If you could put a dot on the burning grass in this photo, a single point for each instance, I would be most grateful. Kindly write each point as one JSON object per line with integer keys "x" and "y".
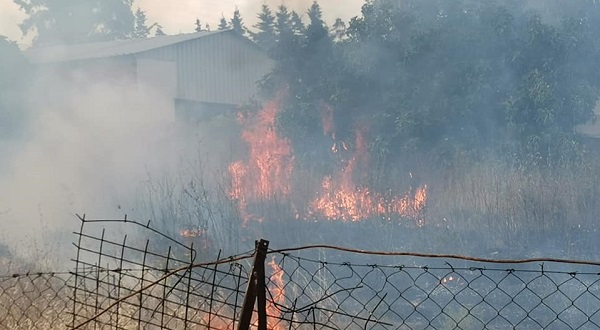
{"x": 479, "y": 208}
{"x": 470, "y": 207}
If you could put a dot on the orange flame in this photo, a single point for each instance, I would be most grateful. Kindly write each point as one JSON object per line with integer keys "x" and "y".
{"x": 278, "y": 292}
{"x": 273, "y": 313}
{"x": 341, "y": 199}
{"x": 267, "y": 175}
{"x": 268, "y": 171}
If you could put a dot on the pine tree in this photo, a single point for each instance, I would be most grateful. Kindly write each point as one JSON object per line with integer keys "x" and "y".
{"x": 223, "y": 25}
{"x": 265, "y": 35}
{"x": 339, "y": 30}
{"x": 198, "y": 25}
{"x": 282, "y": 24}
{"x": 141, "y": 29}
{"x": 237, "y": 23}
{"x": 316, "y": 31}
{"x": 159, "y": 32}
{"x": 318, "y": 52}
{"x": 296, "y": 24}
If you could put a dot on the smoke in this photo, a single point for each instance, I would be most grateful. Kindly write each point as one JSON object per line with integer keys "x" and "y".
{"x": 89, "y": 145}
{"x": 92, "y": 145}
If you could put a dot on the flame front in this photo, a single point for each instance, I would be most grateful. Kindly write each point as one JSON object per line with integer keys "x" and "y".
{"x": 278, "y": 292}
{"x": 267, "y": 175}
{"x": 341, "y": 199}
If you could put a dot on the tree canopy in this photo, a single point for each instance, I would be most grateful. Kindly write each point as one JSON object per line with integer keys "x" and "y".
{"x": 442, "y": 78}
{"x": 76, "y": 21}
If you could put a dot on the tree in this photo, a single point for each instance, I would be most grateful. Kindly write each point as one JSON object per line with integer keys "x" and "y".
{"x": 317, "y": 34}
{"x": 237, "y": 23}
{"x": 223, "y": 25}
{"x": 296, "y": 25}
{"x": 159, "y": 32}
{"x": 288, "y": 39}
{"x": 198, "y": 25}
{"x": 282, "y": 23}
{"x": 305, "y": 54}
{"x": 75, "y": 21}
{"x": 339, "y": 30}
{"x": 141, "y": 30}
{"x": 443, "y": 79}
{"x": 265, "y": 34}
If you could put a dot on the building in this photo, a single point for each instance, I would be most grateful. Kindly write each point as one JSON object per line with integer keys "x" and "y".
{"x": 203, "y": 73}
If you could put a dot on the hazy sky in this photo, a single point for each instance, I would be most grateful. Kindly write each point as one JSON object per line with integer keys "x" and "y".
{"x": 178, "y": 16}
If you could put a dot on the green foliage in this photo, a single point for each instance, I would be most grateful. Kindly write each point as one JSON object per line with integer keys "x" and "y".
{"x": 237, "y": 24}
{"x": 265, "y": 29}
{"x": 159, "y": 32}
{"x": 442, "y": 78}
{"x": 223, "y": 25}
{"x": 141, "y": 29}
{"x": 76, "y": 21}
{"x": 339, "y": 30}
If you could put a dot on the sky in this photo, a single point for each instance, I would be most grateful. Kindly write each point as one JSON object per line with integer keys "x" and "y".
{"x": 178, "y": 16}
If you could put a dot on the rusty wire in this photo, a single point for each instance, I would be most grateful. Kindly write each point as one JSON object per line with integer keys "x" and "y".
{"x": 122, "y": 282}
{"x": 420, "y": 293}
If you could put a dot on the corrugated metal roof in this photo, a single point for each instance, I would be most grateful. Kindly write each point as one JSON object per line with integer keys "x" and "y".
{"x": 108, "y": 48}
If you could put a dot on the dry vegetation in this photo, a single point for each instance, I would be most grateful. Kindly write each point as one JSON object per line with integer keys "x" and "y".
{"x": 486, "y": 209}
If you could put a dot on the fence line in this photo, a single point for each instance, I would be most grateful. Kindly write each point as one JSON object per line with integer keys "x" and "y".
{"x": 35, "y": 301}
{"x": 128, "y": 275}
{"x": 347, "y": 295}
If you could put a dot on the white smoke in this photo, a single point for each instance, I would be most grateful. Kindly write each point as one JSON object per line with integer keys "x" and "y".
{"x": 89, "y": 145}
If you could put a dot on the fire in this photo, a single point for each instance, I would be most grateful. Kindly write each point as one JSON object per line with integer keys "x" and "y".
{"x": 342, "y": 199}
{"x": 278, "y": 291}
{"x": 199, "y": 236}
{"x": 267, "y": 173}
{"x": 273, "y": 313}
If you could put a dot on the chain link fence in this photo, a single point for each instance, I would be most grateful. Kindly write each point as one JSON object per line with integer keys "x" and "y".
{"x": 425, "y": 293}
{"x": 126, "y": 280}
{"x": 35, "y": 301}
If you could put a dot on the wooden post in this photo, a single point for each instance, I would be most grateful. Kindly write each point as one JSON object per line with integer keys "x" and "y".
{"x": 256, "y": 290}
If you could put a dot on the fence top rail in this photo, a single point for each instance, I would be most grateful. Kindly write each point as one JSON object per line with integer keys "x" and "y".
{"x": 287, "y": 251}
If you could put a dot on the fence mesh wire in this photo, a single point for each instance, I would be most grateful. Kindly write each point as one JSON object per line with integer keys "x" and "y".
{"x": 35, "y": 301}
{"x": 313, "y": 293}
{"x": 129, "y": 276}
{"x": 144, "y": 279}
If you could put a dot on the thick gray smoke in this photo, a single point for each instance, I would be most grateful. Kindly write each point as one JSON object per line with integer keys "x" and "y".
{"x": 89, "y": 146}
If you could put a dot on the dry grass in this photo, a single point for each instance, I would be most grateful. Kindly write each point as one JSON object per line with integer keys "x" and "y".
{"x": 35, "y": 302}
{"x": 472, "y": 208}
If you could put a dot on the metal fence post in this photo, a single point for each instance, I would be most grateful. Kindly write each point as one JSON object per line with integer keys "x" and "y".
{"x": 256, "y": 290}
